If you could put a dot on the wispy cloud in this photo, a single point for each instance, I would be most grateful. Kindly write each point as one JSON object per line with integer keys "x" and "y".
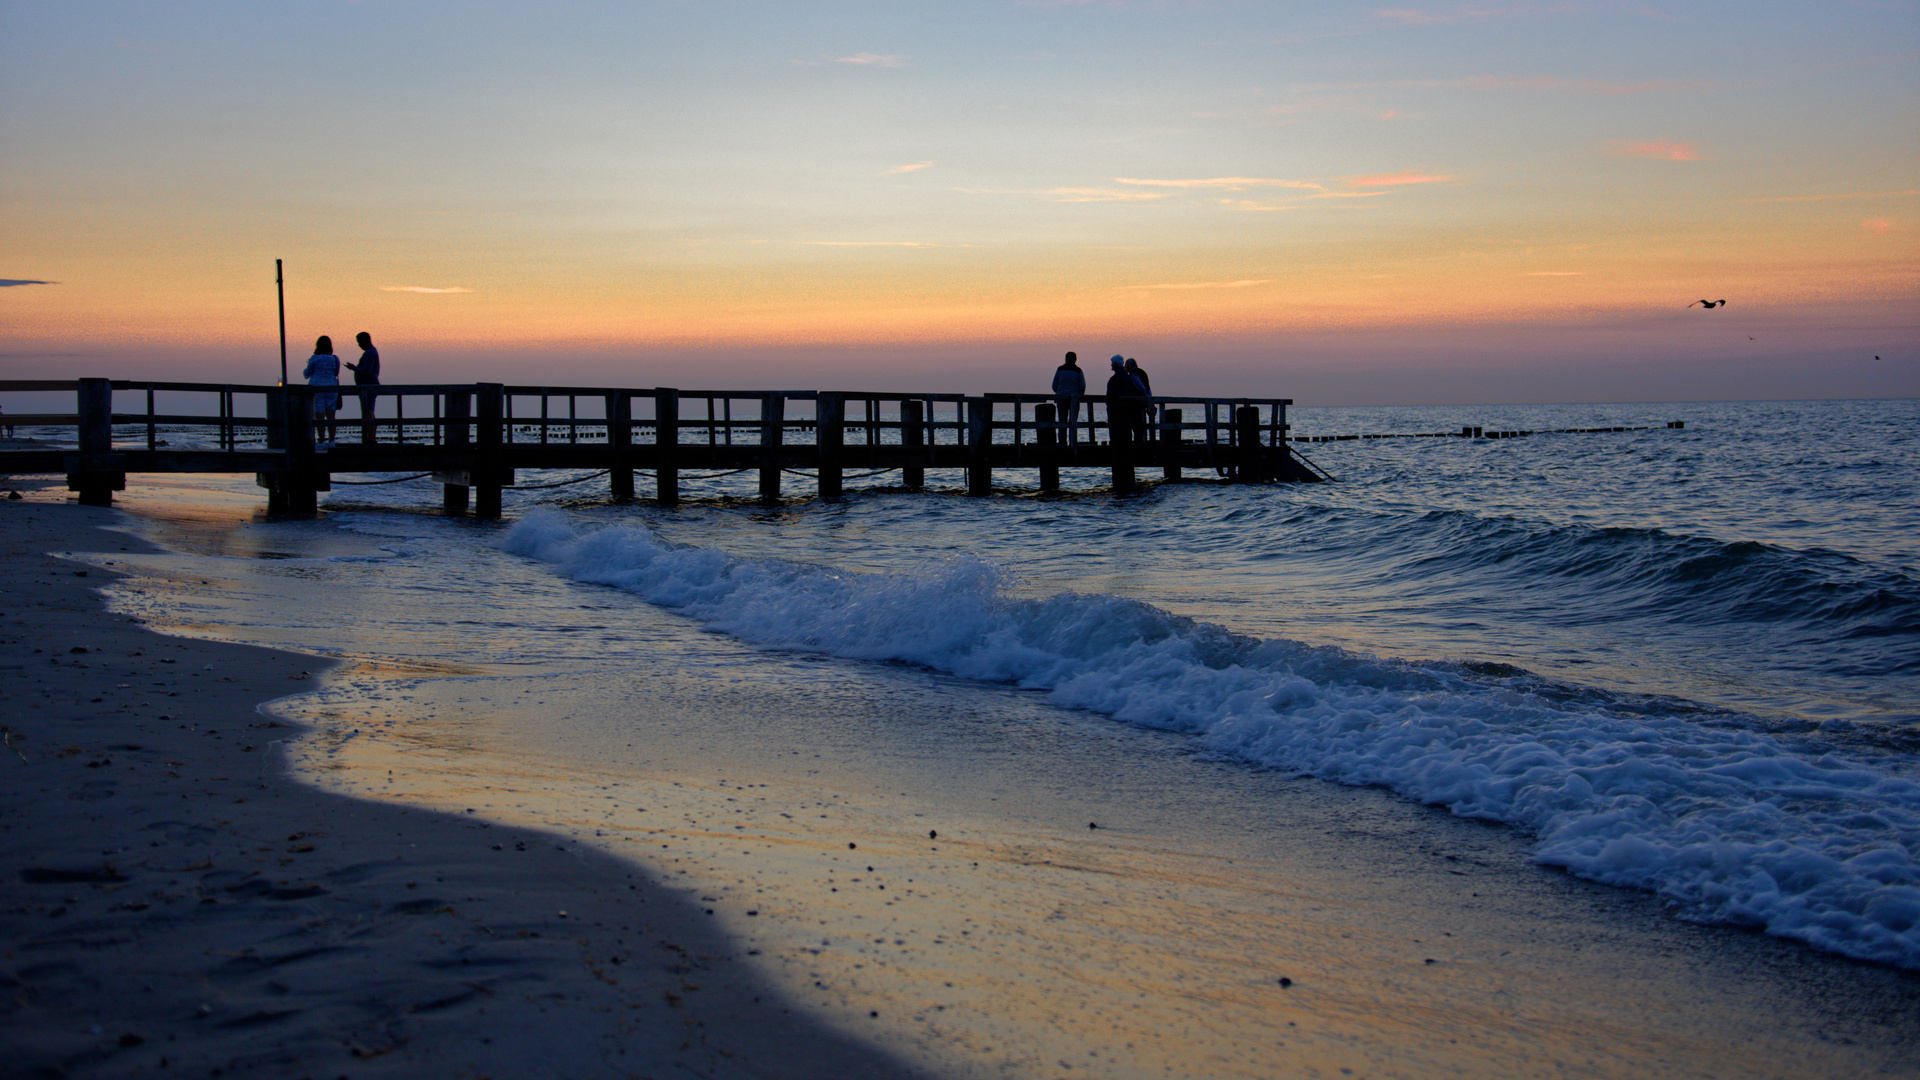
{"x": 1556, "y": 273}
{"x": 1878, "y": 226}
{"x": 874, "y": 243}
{"x": 10, "y": 282}
{"x": 1416, "y": 17}
{"x": 1536, "y": 83}
{"x": 1599, "y": 87}
{"x": 1405, "y": 176}
{"x": 1228, "y": 183}
{"x": 1842, "y": 195}
{"x": 915, "y": 167}
{"x": 1204, "y": 284}
{"x": 1659, "y": 149}
{"x": 1073, "y": 194}
{"x": 872, "y": 60}
{"x": 422, "y": 289}
{"x": 1068, "y": 194}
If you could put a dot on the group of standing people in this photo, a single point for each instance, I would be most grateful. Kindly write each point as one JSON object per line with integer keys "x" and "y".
{"x": 323, "y": 369}
{"x": 1128, "y": 409}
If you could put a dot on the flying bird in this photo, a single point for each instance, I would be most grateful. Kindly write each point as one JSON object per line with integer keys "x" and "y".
{"x": 1709, "y": 303}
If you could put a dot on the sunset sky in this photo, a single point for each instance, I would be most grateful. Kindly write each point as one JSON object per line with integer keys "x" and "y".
{"x": 1340, "y": 203}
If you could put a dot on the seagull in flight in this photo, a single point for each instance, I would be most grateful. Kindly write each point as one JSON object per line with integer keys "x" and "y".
{"x": 1709, "y": 303}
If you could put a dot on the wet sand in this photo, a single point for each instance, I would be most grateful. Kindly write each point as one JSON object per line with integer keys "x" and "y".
{"x": 172, "y": 905}
{"x": 744, "y": 874}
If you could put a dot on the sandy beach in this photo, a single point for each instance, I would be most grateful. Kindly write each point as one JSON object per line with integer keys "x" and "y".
{"x": 174, "y": 906}
{"x": 175, "y": 903}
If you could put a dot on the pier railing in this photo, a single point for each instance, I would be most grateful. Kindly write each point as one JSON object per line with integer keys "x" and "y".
{"x": 472, "y": 438}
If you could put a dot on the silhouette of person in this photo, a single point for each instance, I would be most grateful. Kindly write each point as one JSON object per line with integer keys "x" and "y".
{"x": 1069, "y": 384}
{"x": 366, "y": 375}
{"x": 1146, "y": 390}
{"x": 1124, "y": 394}
{"x": 323, "y": 369}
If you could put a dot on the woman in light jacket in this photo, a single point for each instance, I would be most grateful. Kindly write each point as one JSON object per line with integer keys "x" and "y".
{"x": 323, "y": 369}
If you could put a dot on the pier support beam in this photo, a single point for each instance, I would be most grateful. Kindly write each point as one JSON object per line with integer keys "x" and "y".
{"x": 1171, "y": 437}
{"x": 913, "y": 435}
{"x": 454, "y": 433}
{"x": 1122, "y": 415}
{"x": 96, "y": 472}
{"x": 1249, "y": 464}
{"x": 979, "y": 438}
{"x": 294, "y": 489}
{"x": 830, "y": 436}
{"x": 773, "y": 433}
{"x": 666, "y": 445}
{"x": 489, "y": 434}
{"x": 1045, "y": 416}
{"x": 620, "y": 444}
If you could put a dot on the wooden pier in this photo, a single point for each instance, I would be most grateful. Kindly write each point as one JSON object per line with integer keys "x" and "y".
{"x": 476, "y": 439}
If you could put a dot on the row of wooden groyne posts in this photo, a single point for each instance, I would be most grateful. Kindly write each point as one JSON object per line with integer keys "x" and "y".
{"x": 474, "y": 439}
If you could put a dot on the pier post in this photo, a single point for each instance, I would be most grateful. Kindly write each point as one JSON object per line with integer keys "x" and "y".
{"x": 830, "y": 437}
{"x": 1122, "y": 413}
{"x": 454, "y": 485}
{"x": 1170, "y": 439}
{"x": 666, "y": 445}
{"x": 276, "y": 402}
{"x": 773, "y": 430}
{"x": 294, "y": 489}
{"x": 489, "y": 427}
{"x": 620, "y": 445}
{"x": 913, "y": 433}
{"x": 1044, "y": 417}
{"x": 96, "y": 472}
{"x": 1248, "y": 466}
{"x": 979, "y": 439}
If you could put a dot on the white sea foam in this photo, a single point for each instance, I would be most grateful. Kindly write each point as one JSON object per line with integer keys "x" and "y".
{"x": 1728, "y": 824}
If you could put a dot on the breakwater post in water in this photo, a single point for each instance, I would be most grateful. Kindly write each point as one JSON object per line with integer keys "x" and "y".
{"x": 1475, "y": 431}
{"x": 475, "y": 439}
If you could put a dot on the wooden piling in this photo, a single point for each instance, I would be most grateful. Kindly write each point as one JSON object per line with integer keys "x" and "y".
{"x": 1045, "y": 417}
{"x": 666, "y": 445}
{"x": 913, "y": 435}
{"x": 489, "y": 475}
{"x": 979, "y": 438}
{"x": 773, "y": 429}
{"x": 455, "y": 435}
{"x": 96, "y": 472}
{"x": 830, "y": 435}
{"x": 1171, "y": 434}
{"x": 620, "y": 442}
{"x": 1249, "y": 468}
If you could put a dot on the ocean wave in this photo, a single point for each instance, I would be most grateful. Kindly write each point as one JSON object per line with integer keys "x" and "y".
{"x": 1723, "y": 821}
{"x": 1607, "y": 574}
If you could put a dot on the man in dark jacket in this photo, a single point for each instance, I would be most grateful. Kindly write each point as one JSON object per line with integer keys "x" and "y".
{"x": 1146, "y": 389}
{"x": 366, "y": 375}
{"x": 1069, "y": 385}
{"x": 1124, "y": 394}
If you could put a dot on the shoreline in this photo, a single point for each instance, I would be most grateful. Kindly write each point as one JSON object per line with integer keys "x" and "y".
{"x": 175, "y": 903}
{"x": 1123, "y": 940}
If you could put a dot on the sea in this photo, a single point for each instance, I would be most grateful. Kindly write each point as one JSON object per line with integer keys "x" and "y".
{"x": 1679, "y": 661}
